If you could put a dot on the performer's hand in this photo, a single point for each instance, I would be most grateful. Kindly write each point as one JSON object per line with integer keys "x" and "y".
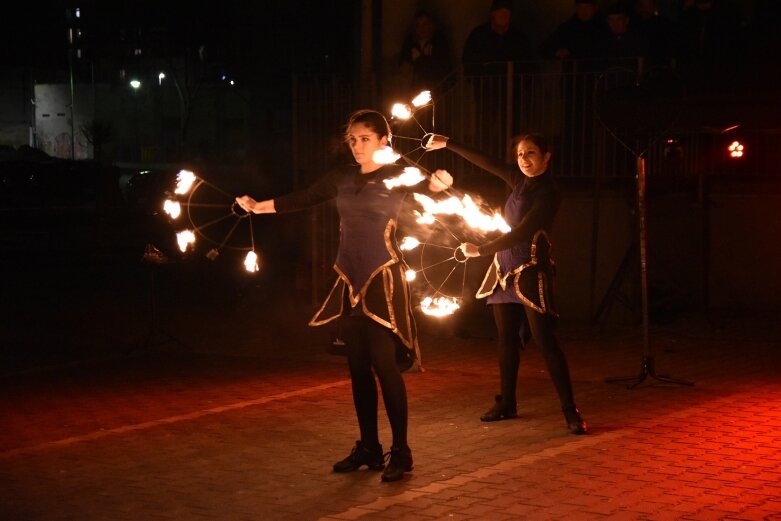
{"x": 247, "y": 203}
{"x": 469, "y": 250}
{"x": 440, "y": 180}
{"x": 435, "y": 142}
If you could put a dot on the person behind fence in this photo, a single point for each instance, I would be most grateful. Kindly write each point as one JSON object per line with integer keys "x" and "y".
{"x": 519, "y": 282}
{"x": 371, "y": 298}
{"x": 578, "y": 37}
{"x": 426, "y": 56}
{"x": 622, "y": 45}
{"x": 659, "y": 31}
{"x": 488, "y": 50}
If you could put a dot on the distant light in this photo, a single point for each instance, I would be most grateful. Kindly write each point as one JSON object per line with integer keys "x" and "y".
{"x": 160, "y": 78}
{"x": 78, "y": 12}
{"x": 233, "y": 82}
{"x": 135, "y": 84}
{"x": 223, "y": 78}
{"x": 736, "y": 150}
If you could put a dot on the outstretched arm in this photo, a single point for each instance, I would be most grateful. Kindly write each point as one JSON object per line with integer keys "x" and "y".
{"x": 322, "y": 190}
{"x": 248, "y": 204}
{"x": 507, "y": 173}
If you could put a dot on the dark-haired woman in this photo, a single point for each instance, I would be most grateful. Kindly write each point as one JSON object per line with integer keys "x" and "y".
{"x": 371, "y": 297}
{"x": 519, "y": 282}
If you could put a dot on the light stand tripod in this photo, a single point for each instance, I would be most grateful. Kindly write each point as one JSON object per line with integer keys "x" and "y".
{"x": 154, "y": 259}
{"x": 647, "y": 366}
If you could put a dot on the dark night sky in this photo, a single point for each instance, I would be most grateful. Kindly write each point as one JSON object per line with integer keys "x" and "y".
{"x": 284, "y": 36}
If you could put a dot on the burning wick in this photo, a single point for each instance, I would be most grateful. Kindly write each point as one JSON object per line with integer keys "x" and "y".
{"x": 422, "y": 99}
{"x": 401, "y": 111}
{"x": 172, "y": 208}
{"x": 409, "y": 243}
{"x": 184, "y": 181}
{"x": 251, "y": 262}
{"x": 466, "y": 208}
{"x": 385, "y": 156}
{"x": 185, "y": 238}
{"x": 439, "y": 307}
{"x": 410, "y": 177}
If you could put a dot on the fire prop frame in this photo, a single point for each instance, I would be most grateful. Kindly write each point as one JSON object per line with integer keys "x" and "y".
{"x": 187, "y": 185}
{"x": 444, "y": 224}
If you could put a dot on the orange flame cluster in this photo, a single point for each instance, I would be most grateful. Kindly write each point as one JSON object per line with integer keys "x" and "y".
{"x": 464, "y": 207}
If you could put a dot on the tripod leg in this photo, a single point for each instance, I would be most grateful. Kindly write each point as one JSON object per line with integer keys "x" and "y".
{"x": 647, "y": 369}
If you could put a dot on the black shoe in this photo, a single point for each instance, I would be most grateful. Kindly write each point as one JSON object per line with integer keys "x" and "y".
{"x": 500, "y": 411}
{"x": 359, "y": 456}
{"x": 575, "y": 424}
{"x": 400, "y": 461}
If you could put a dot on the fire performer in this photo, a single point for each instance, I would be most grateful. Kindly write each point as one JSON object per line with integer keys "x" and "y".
{"x": 519, "y": 282}
{"x": 370, "y": 298}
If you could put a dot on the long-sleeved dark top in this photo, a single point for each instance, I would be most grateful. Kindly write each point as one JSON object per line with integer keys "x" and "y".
{"x": 531, "y": 207}
{"x": 368, "y": 262}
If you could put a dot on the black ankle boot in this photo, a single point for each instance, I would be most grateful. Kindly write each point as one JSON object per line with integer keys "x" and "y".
{"x": 575, "y": 423}
{"x": 359, "y": 456}
{"x": 500, "y": 411}
{"x": 400, "y": 461}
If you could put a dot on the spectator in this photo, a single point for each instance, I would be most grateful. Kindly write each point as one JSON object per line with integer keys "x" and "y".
{"x": 621, "y": 46}
{"x": 577, "y": 38}
{"x": 575, "y": 43}
{"x": 490, "y": 45}
{"x": 659, "y": 32}
{"x": 426, "y": 55}
{"x": 487, "y": 51}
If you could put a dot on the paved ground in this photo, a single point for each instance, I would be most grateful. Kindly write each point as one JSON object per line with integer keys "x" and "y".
{"x": 249, "y": 431}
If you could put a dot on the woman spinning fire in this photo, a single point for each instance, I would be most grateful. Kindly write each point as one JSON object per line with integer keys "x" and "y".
{"x": 371, "y": 297}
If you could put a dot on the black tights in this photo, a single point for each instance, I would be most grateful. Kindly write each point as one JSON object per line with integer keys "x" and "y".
{"x": 371, "y": 349}
{"x": 509, "y": 318}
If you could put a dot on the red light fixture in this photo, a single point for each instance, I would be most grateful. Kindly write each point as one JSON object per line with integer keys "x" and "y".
{"x": 736, "y": 150}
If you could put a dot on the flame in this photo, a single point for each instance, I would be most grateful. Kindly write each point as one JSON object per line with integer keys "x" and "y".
{"x": 409, "y": 243}
{"x": 184, "y": 181}
{"x": 172, "y": 208}
{"x": 439, "y": 306}
{"x": 401, "y": 111}
{"x": 466, "y": 208}
{"x": 410, "y": 177}
{"x": 426, "y": 218}
{"x": 251, "y": 262}
{"x": 185, "y": 238}
{"x": 385, "y": 156}
{"x": 410, "y": 275}
{"x": 421, "y": 99}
